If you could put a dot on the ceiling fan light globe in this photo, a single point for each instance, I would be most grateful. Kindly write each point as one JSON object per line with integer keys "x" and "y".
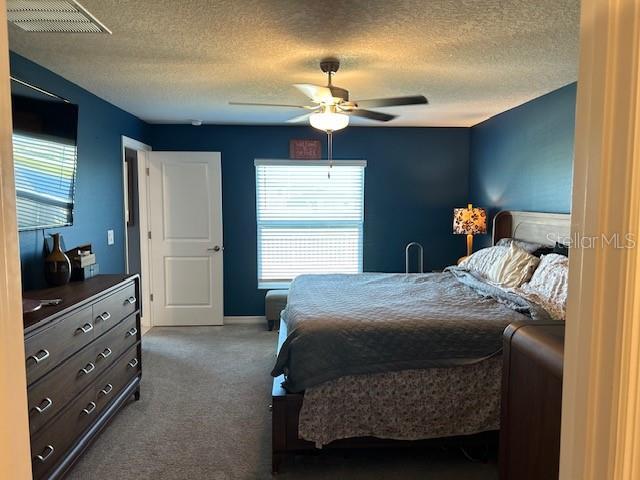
{"x": 329, "y": 121}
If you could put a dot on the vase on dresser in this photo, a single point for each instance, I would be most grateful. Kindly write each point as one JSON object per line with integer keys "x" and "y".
{"x": 57, "y": 266}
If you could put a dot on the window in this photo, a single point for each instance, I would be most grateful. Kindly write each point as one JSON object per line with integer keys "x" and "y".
{"x": 44, "y": 175}
{"x": 308, "y": 222}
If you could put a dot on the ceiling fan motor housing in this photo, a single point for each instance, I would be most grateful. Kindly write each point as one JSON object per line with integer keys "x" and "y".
{"x": 330, "y": 65}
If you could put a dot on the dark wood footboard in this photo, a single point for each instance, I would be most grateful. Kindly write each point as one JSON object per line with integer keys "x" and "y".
{"x": 285, "y": 412}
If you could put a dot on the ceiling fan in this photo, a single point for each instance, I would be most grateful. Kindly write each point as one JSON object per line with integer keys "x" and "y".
{"x": 331, "y": 107}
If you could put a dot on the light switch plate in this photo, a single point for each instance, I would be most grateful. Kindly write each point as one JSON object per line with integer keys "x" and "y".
{"x": 110, "y": 239}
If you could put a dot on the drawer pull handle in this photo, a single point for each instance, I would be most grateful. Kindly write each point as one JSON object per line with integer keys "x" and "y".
{"x": 46, "y": 453}
{"x": 86, "y": 328}
{"x": 107, "y": 389}
{"x": 104, "y": 316}
{"x": 88, "y": 369}
{"x": 44, "y": 405}
{"x": 131, "y": 300}
{"x": 89, "y": 409}
{"x": 132, "y": 332}
{"x": 40, "y": 356}
{"x": 105, "y": 353}
{"x": 133, "y": 363}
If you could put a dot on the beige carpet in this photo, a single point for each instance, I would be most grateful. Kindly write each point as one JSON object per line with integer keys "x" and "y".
{"x": 204, "y": 415}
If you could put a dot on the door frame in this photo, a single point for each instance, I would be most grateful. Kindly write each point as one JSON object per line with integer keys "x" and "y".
{"x": 15, "y": 451}
{"x": 146, "y": 318}
{"x": 601, "y": 392}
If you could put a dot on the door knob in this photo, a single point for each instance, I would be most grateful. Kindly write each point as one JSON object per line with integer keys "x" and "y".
{"x": 217, "y": 248}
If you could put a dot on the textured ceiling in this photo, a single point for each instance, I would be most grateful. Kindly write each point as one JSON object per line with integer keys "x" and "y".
{"x": 177, "y": 60}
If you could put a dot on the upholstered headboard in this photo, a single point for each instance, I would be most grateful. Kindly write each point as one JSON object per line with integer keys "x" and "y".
{"x": 538, "y": 227}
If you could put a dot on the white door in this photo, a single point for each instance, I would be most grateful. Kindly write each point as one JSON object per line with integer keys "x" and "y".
{"x": 185, "y": 209}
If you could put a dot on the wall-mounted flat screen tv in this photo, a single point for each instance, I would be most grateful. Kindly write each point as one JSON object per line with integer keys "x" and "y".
{"x": 45, "y": 130}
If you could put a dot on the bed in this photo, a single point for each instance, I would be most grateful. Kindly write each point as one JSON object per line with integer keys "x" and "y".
{"x": 376, "y": 367}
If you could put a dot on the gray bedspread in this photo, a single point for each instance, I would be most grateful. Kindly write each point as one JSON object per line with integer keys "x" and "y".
{"x": 380, "y": 322}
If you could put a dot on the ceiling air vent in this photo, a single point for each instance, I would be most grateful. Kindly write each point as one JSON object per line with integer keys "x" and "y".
{"x": 54, "y": 16}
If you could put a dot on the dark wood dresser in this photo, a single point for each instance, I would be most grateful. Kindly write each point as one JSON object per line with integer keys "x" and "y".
{"x": 83, "y": 363}
{"x": 531, "y": 401}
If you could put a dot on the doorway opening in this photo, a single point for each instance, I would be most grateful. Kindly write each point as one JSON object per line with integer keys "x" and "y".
{"x": 136, "y": 224}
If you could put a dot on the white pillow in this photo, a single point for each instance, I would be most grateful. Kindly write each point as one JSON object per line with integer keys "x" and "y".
{"x": 514, "y": 268}
{"x": 483, "y": 260}
{"x": 548, "y": 285}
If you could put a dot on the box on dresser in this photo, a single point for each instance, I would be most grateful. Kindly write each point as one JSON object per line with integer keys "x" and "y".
{"x": 83, "y": 360}
{"x": 84, "y": 273}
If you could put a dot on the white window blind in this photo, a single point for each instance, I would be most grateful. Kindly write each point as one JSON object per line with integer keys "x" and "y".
{"x": 308, "y": 222}
{"x": 44, "y": 175}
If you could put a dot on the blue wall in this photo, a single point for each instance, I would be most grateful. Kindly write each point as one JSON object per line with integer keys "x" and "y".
{"x": 99, "y": 196}
{"x": 413, "y": 180}
{"x": 522, "y": 159}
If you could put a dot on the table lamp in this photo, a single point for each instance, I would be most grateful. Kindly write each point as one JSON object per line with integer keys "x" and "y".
{"x": 469, "y": 221}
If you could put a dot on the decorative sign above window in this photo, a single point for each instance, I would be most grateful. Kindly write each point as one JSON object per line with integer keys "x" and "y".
{"x": 305, "y": 149}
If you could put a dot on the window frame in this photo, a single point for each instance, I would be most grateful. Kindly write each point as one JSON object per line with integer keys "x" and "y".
{"x": 283, "y": 284}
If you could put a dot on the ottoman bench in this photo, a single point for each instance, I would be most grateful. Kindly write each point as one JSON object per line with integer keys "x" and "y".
{"x": 274, "y": 303}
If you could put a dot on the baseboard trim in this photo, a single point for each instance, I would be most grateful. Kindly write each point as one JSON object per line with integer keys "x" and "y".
{"x": 245, "y": 320}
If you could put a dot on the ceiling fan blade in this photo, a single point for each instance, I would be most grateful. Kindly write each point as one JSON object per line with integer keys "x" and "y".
{"x": 285, "y": 105}
{"x": 299, "y": 118}
{"x": 393, "y": 101}
{"x": 316, "y": 93}
{"x": 382, "y": 117}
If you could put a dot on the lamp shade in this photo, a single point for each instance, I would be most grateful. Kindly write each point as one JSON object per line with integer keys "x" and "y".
{"x": 329, "y": 121}
{"x": 469, "y": 221}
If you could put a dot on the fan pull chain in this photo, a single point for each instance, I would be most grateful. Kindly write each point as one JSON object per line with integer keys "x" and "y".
{"x": 330, "y": 151}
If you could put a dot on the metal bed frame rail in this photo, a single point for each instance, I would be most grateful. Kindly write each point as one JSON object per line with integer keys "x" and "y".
{"x": 420, "y": 256}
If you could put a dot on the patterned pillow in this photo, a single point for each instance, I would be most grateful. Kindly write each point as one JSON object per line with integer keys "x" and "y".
{"x": 514, "y": 268}
{"x": 483, "y": 260}
{"x": 548, "y": 285}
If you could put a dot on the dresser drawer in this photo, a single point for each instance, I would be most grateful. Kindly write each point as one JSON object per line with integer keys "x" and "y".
{"x": 50, "y": 394}
{"x": 110, "y": 310}
{"x": 48, "y": 348}
{"x": 116, "y": 378}
{"x": 115, "y": 341}
{"x": 52, "y": 442}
